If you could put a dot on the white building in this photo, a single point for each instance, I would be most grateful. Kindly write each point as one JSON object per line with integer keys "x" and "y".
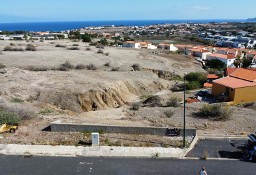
{"x": 227, "y": 59}
{"x": 132, "y": 44}
{"x": 170, "y": 47}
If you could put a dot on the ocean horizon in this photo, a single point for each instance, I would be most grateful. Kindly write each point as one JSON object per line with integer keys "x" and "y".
{"x": 69, "y": 25}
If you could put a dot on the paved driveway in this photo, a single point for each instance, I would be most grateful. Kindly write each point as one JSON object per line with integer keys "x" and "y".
{"x": 217, "y": 148}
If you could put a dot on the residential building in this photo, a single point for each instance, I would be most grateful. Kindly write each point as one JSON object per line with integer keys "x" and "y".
{"x": 131, "y": 44}
{"x": 199, "y": 52}
{"x": 169, "y": 47}
{"x": 238, "y": 87}
{"x": 227, "y": 59}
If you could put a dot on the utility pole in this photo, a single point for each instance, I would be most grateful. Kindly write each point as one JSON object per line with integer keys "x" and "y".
{"x": 184, "y": 117}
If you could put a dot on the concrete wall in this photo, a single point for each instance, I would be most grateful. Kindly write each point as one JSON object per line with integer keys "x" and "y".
{"x": 59, "y": 127}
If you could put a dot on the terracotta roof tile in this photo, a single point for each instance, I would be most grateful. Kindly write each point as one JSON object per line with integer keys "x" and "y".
{"x": 212, "y": 76}
{"x": 217, "y": 55}
{"x": 245, "y": 74}
{"x": 234, "y": 82}
{"x": 207, "y": 85}
{"x": 230, "y": 70}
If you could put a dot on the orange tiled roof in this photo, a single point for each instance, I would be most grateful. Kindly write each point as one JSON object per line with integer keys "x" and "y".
{"x": 212, "y": 76}
{"x": 230, "y": 70}
{"x": 207, "y": 85}
{"x": 217, "y": 55}
{"x": 232, "y": 82}
{"x": 245, "y": 74}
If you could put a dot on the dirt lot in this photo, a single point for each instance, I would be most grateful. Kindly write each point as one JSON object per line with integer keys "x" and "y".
{"x": 101, "y": 96}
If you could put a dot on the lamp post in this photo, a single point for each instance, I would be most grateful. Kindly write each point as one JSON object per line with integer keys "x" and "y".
{"x": 184, "y": 117}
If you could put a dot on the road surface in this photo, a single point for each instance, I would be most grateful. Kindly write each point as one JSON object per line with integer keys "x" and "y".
{"x": 20, "y": 165}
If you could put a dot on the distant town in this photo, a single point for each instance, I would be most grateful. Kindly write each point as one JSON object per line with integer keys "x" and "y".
{"x": 224, "y": 41}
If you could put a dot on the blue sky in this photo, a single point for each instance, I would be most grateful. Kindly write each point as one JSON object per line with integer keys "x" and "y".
{"x": 93, "y": 10}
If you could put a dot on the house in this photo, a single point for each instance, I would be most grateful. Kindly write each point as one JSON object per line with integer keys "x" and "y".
{"x": 227, "y": 51}
{"x": 210, "y": 79}
{"x": 227, "y": 59}
{"x": 238, "y": 87}
{"x": 169, "y": 47}
{"x": 199, "y": 52}
{"x": 131, "y": 44}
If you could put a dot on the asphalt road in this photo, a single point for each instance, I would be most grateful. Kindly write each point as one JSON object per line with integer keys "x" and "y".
{"x": 19, "y": 165}
{"x": 217, "y": 148}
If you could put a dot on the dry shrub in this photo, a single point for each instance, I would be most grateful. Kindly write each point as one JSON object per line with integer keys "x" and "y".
{"x": 115, "y": 68}
{"x": 18, "y": 49}
{"x": 23, "y": 112}
{"x": 169, "y": 113}
{"x": 73, "y": 48}
{"x": 173, "y": 102}
{"x": 215, "y": 112}
{"x": 136, "y": 67}
{"x": 66, "y": 66}
{"x": 153, "y": 101}
{"x": 80, "y": 66}
{"x": 107, "y": 64}
{"x": 100, "y": 51}
{"x": 31, "y": 47}
{"x": 88, "y": 49}
{"x": 59, "y": 45}
{"x": 2, "y": 66}
{"x": 91, "y": 67}
{"x": 37, "y": 68}
{"x": 8, "y": 48}
{"x": 136, "y": 106}
{"x": 107, "y": 54}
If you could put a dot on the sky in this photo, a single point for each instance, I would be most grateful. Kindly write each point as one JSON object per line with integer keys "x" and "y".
{"x": 101, "y": 10}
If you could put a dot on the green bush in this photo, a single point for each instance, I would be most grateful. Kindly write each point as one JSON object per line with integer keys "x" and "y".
{"x": 9, "y": 117}
{"x": 197, "y": 76}
{"x": 215, "y": 112}
{"x": 216, "y": 64}
{"x": 193, "y": 85}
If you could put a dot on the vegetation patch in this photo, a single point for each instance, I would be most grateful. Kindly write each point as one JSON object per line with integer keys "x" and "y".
{"x": 2, "y": 66}
{"x": 214, "y": 112}
{"x": 31, "y": 47}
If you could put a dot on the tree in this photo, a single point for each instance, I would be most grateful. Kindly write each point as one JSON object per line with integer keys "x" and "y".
{"x": 103, "y": 41}
{"x": 246, "y": 63}
{"x": 86, "y": 38}
{"x": 74, "y": 35}
{"x": 237, "y": 63}
{"x": 199, "y": 77}
{"x": 216, "y": 64}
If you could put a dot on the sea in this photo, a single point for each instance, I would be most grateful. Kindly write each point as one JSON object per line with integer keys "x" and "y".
{"x": 69, "y": 25}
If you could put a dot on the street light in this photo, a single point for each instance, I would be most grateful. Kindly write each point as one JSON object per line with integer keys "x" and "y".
{"x": 184, "y": 117}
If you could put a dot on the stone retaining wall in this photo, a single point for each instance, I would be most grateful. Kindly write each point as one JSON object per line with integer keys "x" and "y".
{"x": 65, "y": 127}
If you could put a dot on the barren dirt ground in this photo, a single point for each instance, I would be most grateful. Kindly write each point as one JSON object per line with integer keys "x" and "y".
{"x": 67, "y": 95}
